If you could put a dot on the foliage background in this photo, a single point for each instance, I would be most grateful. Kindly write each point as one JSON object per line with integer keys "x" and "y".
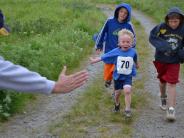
{"x": 45, "y": 36}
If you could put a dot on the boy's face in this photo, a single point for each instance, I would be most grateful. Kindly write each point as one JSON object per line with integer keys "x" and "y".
{"x": 174, "y": 23}
{"x": 125, "y": 42}
{"x": 122, "y": 15}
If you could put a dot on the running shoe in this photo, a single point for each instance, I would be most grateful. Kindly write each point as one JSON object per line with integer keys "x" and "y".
{"x": 170, "y": 116}
{"x": 107, "y": 83}
{"x": 128, "y": 113}
{"x": 116, "y": 108}
{"x": 163, "y": 105}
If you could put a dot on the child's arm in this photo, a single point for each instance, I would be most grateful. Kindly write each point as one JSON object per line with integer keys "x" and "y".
{"x": 159, "y": 43}
{"x": 107, "y": 58}
{"x": 136, "y": 61}
{"x": 137, "y": 65}
{"x": 95, "y": 60}
{"x": 101, "y": 38}
{"x": 131, "y": 28}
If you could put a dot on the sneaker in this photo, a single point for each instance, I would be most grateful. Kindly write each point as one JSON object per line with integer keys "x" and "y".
{"x": 107, "y": 83}
{"x": 128, "y": 113}
{"x": 170, "y": 116}
{"x": 116, "y": 108}
{"x": 163, "y": 105}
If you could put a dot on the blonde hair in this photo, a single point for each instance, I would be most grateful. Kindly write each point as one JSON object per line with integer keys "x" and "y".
{"x": 126, "y": 32}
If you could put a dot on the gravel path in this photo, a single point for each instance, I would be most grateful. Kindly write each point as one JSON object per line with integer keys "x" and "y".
{"x": 151, "y": 124}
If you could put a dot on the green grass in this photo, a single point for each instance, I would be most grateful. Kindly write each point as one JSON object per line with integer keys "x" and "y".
{"x": 149, "y": 7}
{"x": 45, "y": 36}
{"x": 93, "y": 114}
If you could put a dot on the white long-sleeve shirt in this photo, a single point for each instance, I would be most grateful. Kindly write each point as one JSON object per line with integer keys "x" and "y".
{"x": 16, "y": 77}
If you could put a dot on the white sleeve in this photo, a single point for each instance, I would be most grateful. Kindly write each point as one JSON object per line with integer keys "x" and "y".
{"x": 18, "y": 78}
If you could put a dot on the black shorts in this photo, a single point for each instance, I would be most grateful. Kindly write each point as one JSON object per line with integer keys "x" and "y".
{"x": 119, "y": 84}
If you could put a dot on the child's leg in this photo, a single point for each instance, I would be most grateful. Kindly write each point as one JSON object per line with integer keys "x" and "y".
{"x": 108, "y": 71}
{"x": 117, "y": 87}
{"x": 117, "y": 101}
{"x": 163, "y": 95}
{"x": 162, "y": 90}
{"x": 171, "y": 95}
{"x": 117, "y": 97}
{"x": 127, "y": 92}
{"x": 170, "y": 114}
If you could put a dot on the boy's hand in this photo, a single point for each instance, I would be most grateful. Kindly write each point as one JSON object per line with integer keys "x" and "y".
{"x": 98, "y": 51}
{"x": 94, "y": 60}
{"x": 137, "y": 66}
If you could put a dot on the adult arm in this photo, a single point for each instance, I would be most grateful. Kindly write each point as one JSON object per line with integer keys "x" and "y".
{"x": 18, "y": 78}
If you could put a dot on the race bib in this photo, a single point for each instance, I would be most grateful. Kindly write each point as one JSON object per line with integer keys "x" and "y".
{"x": 124, "y": 65}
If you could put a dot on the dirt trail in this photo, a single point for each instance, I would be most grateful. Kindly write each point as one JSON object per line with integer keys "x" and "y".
{"x": 51, "y": 109}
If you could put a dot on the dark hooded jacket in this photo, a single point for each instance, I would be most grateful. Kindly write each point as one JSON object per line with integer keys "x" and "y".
{"x": 109, "y": 32}
{"x": 168, "y": 41}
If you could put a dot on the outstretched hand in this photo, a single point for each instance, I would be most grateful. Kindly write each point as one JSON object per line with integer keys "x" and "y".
{"x": 94, "y": 60}
{"x": 98, "y": 51}
{"x": 67, "y": 83}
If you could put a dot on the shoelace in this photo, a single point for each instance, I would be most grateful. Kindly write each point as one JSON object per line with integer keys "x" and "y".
{"x": 171, "y": 111}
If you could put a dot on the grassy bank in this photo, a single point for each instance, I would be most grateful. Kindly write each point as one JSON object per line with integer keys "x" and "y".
{"x": 45, "y": 35}
{"x": 155, "y": 9}
{"x": 93, "y": 115}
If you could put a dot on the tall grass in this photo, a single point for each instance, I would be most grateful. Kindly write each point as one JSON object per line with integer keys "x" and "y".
{"x": 154, "y": 8}
{"x": 45, "y": 36}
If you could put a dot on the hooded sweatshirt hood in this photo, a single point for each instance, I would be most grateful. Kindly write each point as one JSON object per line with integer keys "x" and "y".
{"x": 174, "y": 10}
{"x": 126, "y": 6}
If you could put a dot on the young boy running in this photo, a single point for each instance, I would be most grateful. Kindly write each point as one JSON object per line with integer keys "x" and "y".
{"x": 124, "y": 58}
{"x": 168, "y": 40}
{"x": 109, "y": 34}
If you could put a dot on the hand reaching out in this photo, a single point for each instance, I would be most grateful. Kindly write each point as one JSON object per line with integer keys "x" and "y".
{"x": 98, "y": 51}
{"x": 67, "y": 83}
{"x": 94, "y": 60}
